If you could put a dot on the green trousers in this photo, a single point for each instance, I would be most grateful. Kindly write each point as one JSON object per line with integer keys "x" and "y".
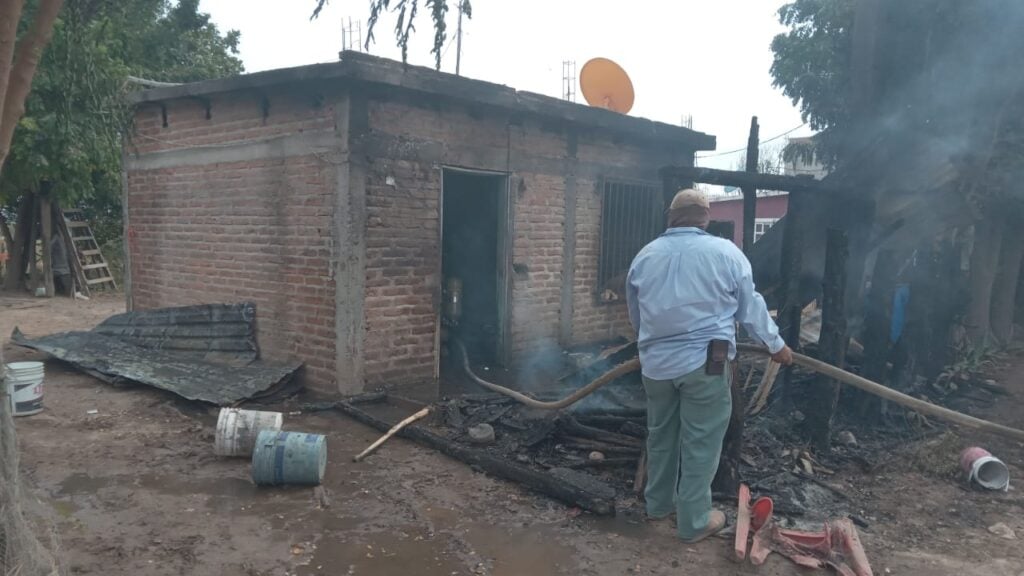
{"x": 686, "y": 422}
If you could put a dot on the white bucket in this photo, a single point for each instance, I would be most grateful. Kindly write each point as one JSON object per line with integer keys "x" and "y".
{"x": 25, "y": 387}
{"x": 238, "y": 429}
{"x": 990, "y": 472}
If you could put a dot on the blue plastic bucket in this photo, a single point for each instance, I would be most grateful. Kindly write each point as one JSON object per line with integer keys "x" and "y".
{"x": 281, "y": 458}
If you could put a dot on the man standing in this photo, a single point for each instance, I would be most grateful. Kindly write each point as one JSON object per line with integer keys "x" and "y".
{"x": 686, "y": 290}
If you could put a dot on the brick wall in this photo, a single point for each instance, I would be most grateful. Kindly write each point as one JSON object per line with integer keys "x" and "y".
{"x": 257, "y": 230}
{"x": 402, "y": 229}
{"x": 402, "y": 256}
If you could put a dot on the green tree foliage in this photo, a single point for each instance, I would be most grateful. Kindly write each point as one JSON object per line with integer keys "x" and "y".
{"x": 77, "y": 112}
{"x": 942, "y": 70}
{"x": 406, "y": 12}
{"x": 812, "y": 61}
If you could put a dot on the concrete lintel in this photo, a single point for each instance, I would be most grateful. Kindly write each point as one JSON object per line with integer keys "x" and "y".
{"x": 281, "y": 147}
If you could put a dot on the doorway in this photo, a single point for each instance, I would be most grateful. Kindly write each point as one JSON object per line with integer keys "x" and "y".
{"x": 474, "y": 256}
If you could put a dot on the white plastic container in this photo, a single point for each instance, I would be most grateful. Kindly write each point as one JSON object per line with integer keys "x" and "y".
{"x": 238, "y": 429}
{"x": 25, "y": 387}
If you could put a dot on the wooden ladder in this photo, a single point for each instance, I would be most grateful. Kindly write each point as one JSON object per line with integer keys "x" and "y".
{"x": 90, "y": 267}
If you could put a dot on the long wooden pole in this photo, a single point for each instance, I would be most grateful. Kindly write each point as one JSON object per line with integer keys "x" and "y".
{"x": 926, "y": 408}
{"x": 394, "y": 430}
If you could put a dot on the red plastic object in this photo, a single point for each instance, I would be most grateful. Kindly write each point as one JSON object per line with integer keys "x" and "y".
{"x": 761, "y": 512}
{"x": 742, "y": 522}
{"x": 837, "y": 546}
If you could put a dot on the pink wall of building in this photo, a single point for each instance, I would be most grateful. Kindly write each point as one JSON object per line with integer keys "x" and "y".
{"x": 732, "y": 211}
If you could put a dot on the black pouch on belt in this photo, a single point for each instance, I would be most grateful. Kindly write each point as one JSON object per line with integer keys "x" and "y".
{"x": 718, "y": 355}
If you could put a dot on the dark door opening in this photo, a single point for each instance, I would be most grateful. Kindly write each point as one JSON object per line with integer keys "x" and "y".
{"x": 473, "y": 261}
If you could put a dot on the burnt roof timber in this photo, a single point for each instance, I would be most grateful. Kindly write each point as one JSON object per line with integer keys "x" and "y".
{"x": 803, "y": 183}
{"x": 362, "y": 69}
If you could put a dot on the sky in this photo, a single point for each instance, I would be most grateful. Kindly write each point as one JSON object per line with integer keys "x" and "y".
{"x": 708, "y": 59}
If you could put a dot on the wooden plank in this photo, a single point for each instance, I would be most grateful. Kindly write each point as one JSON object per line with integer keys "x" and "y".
{"x": 95, "y": 266}
{"x": 90, "y": 253}
{"x": 95, "y": 281}
{"x": 804, "y": 183}
{"x": 77, "y": 224}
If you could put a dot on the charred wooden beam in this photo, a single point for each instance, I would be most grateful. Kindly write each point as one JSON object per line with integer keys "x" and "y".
{"x": 750, "y": 192}
{"x": 689, "y": 174}
{"x": 565, "y": 485}
{"x": 727, "y": 478}
{"x": 791, "y": 270}
{"x": 877, "y": 323}
{"x": 833, "y": 342}
{"x": 571, "y": 426}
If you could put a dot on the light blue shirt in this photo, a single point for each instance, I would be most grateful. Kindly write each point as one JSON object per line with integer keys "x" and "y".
{"x": 685, "y": 289}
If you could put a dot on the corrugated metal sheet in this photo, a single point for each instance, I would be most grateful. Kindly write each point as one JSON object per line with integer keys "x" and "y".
{"x": 218, "y": 332}
{"x": 206, "y": 353}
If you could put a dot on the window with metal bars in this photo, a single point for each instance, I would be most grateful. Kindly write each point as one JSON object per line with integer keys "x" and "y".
{"x": 632, "y": 214}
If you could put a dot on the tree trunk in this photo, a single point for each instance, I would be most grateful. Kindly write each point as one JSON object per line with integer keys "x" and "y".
{"x": 33, "y": 239}
{"x": 988, "y": 237}
{"x": 832, "y": 344}
{"x": 1004, "y": 289}
{"x": 27, "y": 54}
{"x": 46, "y": 221}
{"x": 6, "y": 231}
{"x": 18, "y": 260}
{"x": 10, "y": 15}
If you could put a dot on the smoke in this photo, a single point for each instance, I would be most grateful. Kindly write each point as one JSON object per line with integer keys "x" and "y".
{"x": 948, "y": 90}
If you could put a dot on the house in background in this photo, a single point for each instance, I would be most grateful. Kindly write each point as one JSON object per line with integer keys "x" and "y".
{"x": 727, "y": 206}
{"x": 802, "y": 160}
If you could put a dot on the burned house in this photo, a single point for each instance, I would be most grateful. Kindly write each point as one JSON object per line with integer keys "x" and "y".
{"x": 351, "y": 200}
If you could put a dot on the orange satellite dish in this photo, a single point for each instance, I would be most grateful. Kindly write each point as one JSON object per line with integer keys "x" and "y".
{"x": 606, "y": 85}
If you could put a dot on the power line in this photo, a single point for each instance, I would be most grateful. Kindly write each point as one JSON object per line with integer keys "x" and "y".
{"x": 744, "y": 149}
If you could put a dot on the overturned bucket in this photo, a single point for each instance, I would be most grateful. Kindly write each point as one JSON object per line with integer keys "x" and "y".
{"x": 25, "y": 387}
{"x": 985, "y": 469}
{"x": 281, "y": 458}
{"x": 238, "y": 429}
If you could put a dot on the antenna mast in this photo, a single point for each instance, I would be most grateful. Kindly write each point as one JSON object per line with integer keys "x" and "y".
{"x": 458, "y": 42}
{"x": 569, "y": 80}
{"x": 352, "y": 35}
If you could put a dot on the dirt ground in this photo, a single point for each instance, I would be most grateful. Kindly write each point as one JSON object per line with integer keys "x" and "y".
{"x": 136, "y": 489}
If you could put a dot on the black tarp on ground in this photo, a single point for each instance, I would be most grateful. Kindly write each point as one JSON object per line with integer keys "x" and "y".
{"x": 205, "y": 352}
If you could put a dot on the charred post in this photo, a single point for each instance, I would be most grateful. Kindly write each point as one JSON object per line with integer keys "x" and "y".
{"x": 750, "y": 192}
{"x": 833, "y": 342}
{"x": 727, "y": 479}
{"x": 877, "y": 323}
{"x": 790, "y": 305}
{"x": 565, "y": 485}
